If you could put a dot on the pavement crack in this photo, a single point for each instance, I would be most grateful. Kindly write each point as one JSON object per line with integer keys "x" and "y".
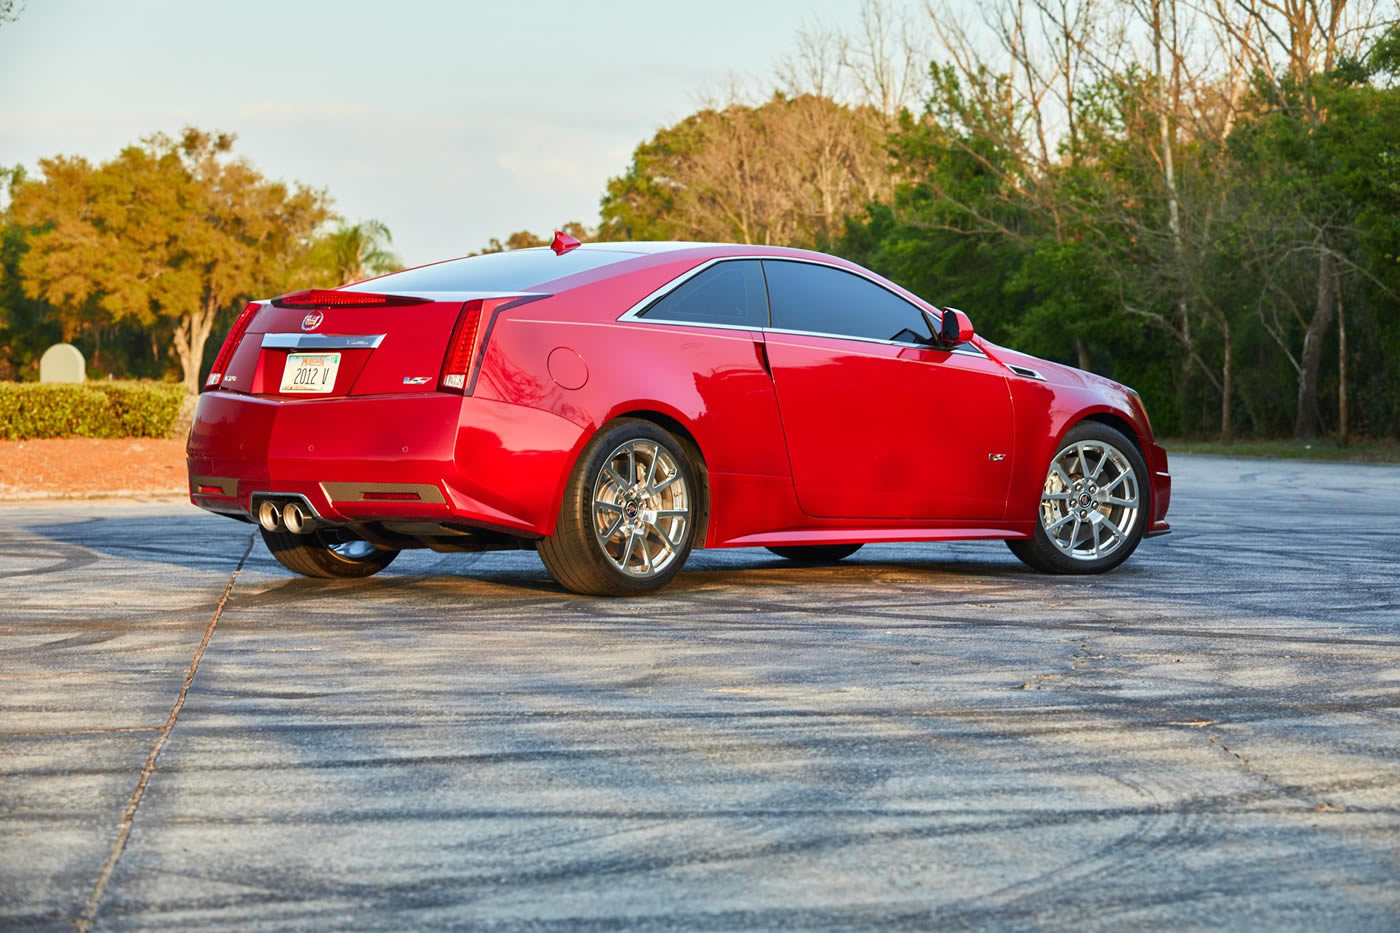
{"x": 1297, "y": 793}
{"x": 133, "y": 803}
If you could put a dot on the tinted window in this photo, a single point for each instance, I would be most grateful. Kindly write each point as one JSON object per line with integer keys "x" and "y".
{"x": 824, "y": 300}
{"x": 509, "y": 271}
{"x": 726, "y": 293}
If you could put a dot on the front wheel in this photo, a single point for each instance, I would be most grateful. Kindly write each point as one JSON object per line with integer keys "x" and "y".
{"x": 1093, "y": 507}
{"x": 628, "y": 515}
{"x": 326, "y": 553}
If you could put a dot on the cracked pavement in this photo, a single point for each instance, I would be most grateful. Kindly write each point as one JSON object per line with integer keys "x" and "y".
{"x": 923, "y": 735}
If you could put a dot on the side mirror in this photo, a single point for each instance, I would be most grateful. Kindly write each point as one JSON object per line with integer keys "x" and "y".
{"x": 955, "y": 329}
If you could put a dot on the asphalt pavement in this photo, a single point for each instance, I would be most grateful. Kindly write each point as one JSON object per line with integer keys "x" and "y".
{"x": 925, "y": 736}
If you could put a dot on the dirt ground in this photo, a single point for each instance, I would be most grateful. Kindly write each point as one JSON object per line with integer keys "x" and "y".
{"x": 83, "y": 467}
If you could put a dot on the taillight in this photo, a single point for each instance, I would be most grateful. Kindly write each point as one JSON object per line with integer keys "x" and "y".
{"x": 230, "y": 344}
{"x": 334, "y": 298}
{"x": 457, "y": 367}
{"x": 463, "y": 352}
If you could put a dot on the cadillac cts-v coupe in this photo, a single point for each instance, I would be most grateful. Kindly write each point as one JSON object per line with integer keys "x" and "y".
{"x": 615, "y": 405}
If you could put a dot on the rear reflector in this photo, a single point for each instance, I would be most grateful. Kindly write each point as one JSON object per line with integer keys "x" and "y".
{"x": 333, "y": 298}
{"x": 392, "y": 496}
{"x": 221, "y": 361}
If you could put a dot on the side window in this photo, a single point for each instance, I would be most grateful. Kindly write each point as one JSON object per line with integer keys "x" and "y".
{"x": 728, "y": 292}
{"x": 824, "y": 300}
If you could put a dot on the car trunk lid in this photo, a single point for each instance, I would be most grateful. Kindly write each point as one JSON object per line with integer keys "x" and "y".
{"x": 328, "y": 344}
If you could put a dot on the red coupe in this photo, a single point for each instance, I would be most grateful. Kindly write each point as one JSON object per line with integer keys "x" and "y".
{"x": 615, "y": 405}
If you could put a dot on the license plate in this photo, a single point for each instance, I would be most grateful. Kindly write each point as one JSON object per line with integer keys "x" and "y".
{"x": 312, "y": 373}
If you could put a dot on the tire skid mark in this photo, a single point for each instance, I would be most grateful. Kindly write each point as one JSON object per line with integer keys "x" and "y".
{"x": 67, "y": 557}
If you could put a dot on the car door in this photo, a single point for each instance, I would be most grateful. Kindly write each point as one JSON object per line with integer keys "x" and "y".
{"x": 879, "y": 422}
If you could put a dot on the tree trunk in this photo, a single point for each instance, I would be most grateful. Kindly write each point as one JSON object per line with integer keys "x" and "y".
{"x": 190, "y": 336}
{"x": 1082, "y": 351}
{"x": 1227, "y": 428}
{"x": 1343, "y": 428}
{"x": 1309, "y": 423}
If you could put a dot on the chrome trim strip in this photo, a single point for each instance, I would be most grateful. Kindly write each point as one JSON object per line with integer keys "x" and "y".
{"x": 322, "y": 341}
{"x": 966, "y": 349}
{"x": 633, "y": 314}
{"x": 641, "y": 320}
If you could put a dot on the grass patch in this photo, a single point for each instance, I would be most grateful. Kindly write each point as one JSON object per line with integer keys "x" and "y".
{"x": 1361, "y": 451}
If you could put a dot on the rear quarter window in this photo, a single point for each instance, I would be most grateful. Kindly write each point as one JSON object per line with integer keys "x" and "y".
{"x": 728, "y": 293}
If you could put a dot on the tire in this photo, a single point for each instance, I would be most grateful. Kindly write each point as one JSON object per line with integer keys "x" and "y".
{"x": 1101, "y": 463}
{"x": 621, "y": 535}
{"x": 327, "y": 553}
{"x": 817, "y": 553}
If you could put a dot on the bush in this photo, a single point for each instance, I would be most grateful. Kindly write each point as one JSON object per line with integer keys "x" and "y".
{"x": 89, "y": 409}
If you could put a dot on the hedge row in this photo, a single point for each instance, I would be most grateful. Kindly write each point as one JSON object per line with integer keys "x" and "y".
{"x": 89, "y": 409}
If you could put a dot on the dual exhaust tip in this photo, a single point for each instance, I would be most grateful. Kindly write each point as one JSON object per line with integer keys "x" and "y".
{"x": 293, "y": 517}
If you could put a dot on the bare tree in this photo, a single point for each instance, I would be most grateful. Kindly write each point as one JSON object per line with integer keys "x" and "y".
{"x": 1296, "y": 41}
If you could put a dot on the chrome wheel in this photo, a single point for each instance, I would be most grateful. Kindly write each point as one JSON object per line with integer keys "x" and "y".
{"x": 641, "y": 508}
{"x": 1089, "y": 508}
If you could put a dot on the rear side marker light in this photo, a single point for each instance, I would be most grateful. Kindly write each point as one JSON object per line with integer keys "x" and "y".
{"x": 333, "y": 298}
{"x": 231, "y": 344}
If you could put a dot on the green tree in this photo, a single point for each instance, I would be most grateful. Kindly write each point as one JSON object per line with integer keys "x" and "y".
{"x": 352, "y": 252}
{"x": 172, "y": 230}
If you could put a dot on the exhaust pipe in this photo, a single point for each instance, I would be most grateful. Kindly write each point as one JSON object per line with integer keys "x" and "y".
{"x": 269, "y": 515}
{"x": 296, "y": 519}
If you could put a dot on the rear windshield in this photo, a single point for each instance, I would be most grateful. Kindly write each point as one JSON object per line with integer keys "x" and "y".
{"x": 510, "y": 271}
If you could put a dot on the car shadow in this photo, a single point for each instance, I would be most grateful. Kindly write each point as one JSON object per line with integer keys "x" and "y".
{"x": 212, "y": 543}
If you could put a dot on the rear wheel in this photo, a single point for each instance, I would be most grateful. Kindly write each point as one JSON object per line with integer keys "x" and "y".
{"x": 628, "y": 514}
{"x": 328, "y": 552}
{"x": 816, "y": 553}
{"x": 1093, "y": 506}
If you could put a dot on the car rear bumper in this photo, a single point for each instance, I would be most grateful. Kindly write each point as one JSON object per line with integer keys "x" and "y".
{"x": 429, "y": 457}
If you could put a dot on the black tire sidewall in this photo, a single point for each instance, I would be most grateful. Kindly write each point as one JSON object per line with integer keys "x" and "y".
{"x": 573, "y": 555}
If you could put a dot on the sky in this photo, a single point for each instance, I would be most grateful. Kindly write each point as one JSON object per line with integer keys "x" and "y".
{"x": 451, "y": 122}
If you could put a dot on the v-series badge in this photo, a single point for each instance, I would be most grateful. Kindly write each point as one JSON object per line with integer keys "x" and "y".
{"x": 416, "y": 380}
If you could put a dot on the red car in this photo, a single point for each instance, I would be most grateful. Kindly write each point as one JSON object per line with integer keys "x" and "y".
{"x": 615, "y": 405}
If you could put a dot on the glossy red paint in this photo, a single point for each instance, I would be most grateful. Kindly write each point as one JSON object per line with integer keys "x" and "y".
{"x": 798, "y": 438}
{"x": 563, "y": 243}
{"x": 957, "y": 327}
{"x": 942, "y": 471}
